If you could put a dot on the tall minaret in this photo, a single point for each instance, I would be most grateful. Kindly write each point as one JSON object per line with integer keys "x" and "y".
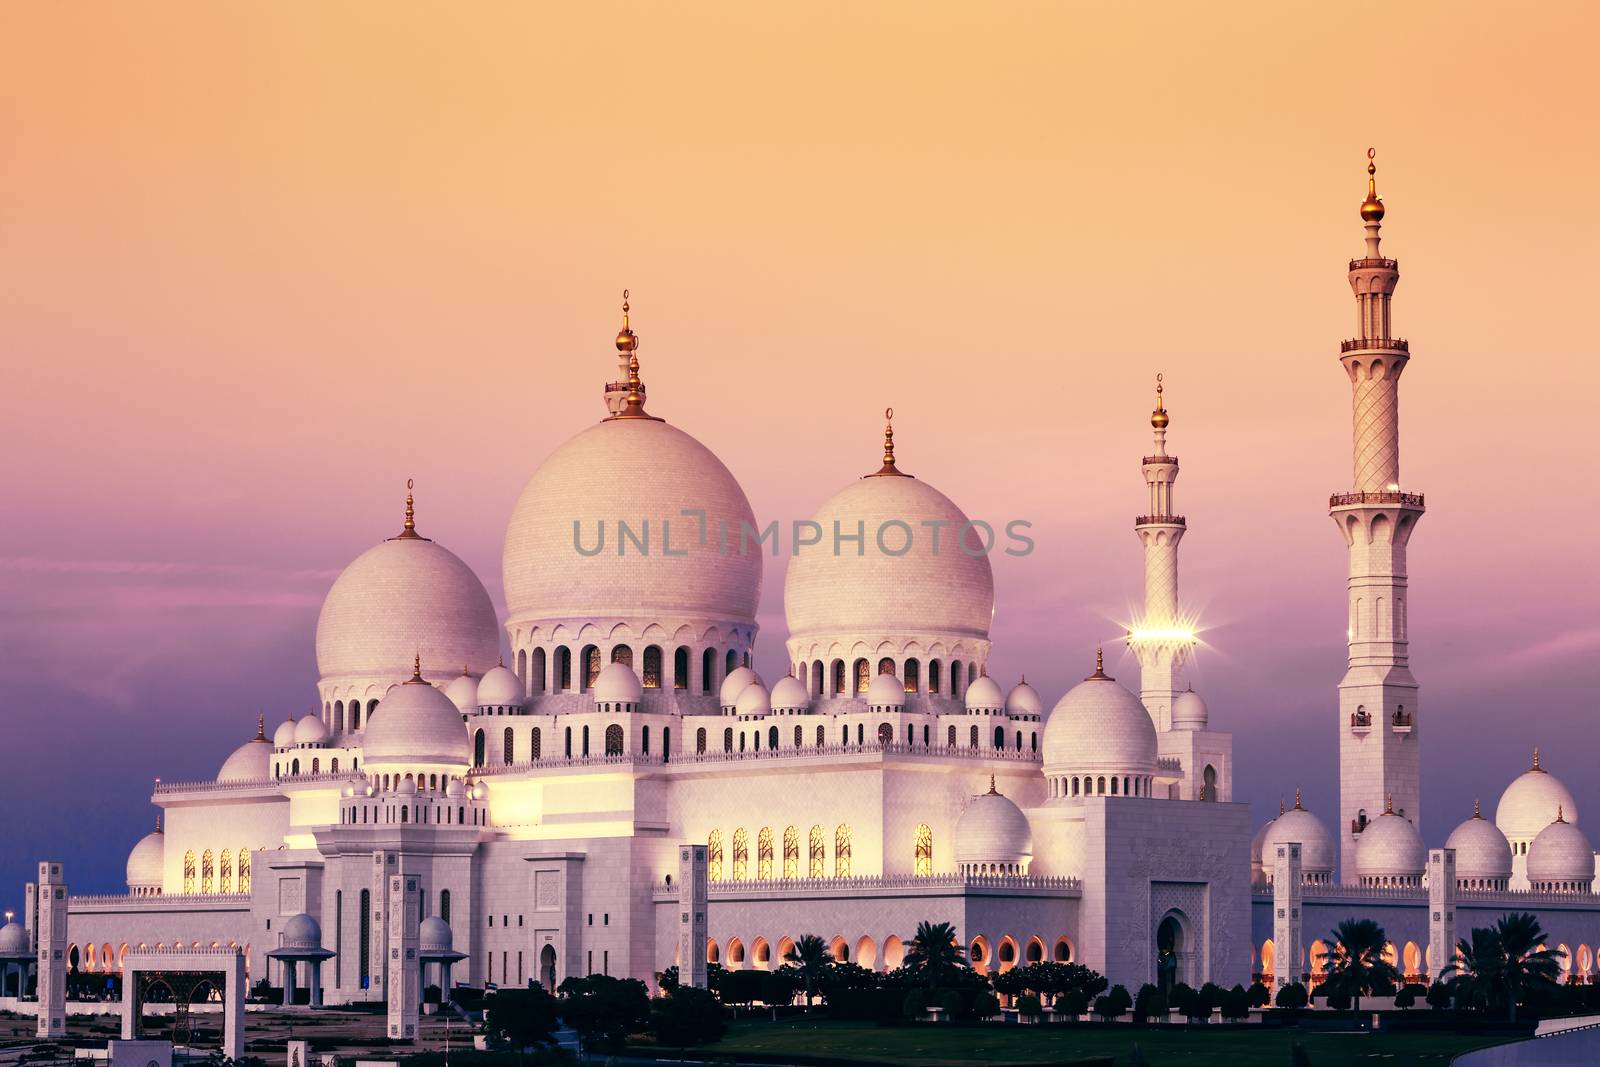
{"x": 1378, "y": 720}
{"x": 1160, "y": 639}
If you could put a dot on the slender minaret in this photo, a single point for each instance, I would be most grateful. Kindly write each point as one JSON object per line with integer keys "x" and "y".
{"x": 1160, "y": 639}
{"x": 627, "y": 388}
{"x": 1378, "y": 720}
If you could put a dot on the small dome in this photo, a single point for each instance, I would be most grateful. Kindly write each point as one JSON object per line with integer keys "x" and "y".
{"x": 752, "y": 700}
{"x": 1189, "y": 711}
{"x": 1298, "y": 824}
{"x": 984, "y": 695}
{"x": 300, "y": 932}
{"x": 1099, "y": 726}
{"x": 283, "y": 736}
{"x": 617, "y": 684}
{"x": 1561, "y": 858}
{"x": 14, "y": 940}
{"x": 501, "y": 688}
{"x": 993, "y": 832}
{"x": 1023, "y": 700}
{"x": 734, "y": 684}
{"x": 887, "y": 691}
{"x": 1390, "y": 848}
{"x": 415, "y": 723}
{"x": 1482, "y": 851}
{"x": 480, "y": 791}
{"x": 147, "y": 861}
{"x": 249, "y": 762}
{"x": 463, "y": 693}
{"x": 433, "y": 935}
{"x": 310, "y": 730}
{"x": 790, "y": 695}
{"x": 455, "y": 788}
{"x": 1531, "y": 801}
{"x": 406, "y": 787}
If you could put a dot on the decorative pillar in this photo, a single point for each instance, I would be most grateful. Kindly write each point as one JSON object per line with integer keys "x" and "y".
{"x": 1286, "y": 918}
{"x": 692, "y": 899}
{"x": 384, "y": 863}
{"x": 52, "y": 952}
{"x": 1441, "y": 910}
{"x": 288, "y": 982}
{"x": 404, "y": 990}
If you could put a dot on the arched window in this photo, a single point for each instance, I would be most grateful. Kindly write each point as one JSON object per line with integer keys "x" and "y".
{"x": 764, "y": 854}
{"x": 841, "y": 851}
{"x": 700, "y": 739}
{"x": 355, "y": 715}
{"x": 294, "y": 767}
{"x": 585, "y": 752}
{"x": 732, "y": 662}
{"x": 568, "y": 745}
{"x": 477, "y": 749}
{"x": 923, "y": 855}
{"x": 338, "y": 717}
{"x": 772, "y": 737}
{"x": 364, "y": 957}
{"x": 666, "y": 743}
{"x": 535, "y": 744}
{"x": 951, "y": 736}
{"x": 535, "y": 676}
{"x": 999, "y": 737}
{"x": 816, "y": 678}
{"x": 821, "y": 737}
{"x": 817, "y": 867}
{"x": 652, "y": 667}
{"x": 510, "y": 746}
{"x": 799, "y": 736}
{"x": 955, "y": 678}
{"x": 708, "y": 670}
{"x": 972, "y": 738}
{"x": 913, "y": 676}
{"x": 335, "y": 765}
{"x": 838, "y": 677}
{"x": 791, "y": 853}
{"x": 563, "y": 678}
{"x": 208, "y": 874}
{"x": 622, "y": 654}
{"x": 680, "y": 668}
{"x": 591, "y": 666}
{"x": 1209, "y": 789}
{"x": 741, "y": 855}
{"x": 244, "y": 871}
{"x": 933, "y": 676}
{"x": 727, "y": 739}
{"x": 613, "y": 740}
{"x": 225, "y": 872}
{"x": 188, "y": 871}
{"x": 885, "y": 733}
{"x": 886, "y": 665}
{"x": 644, "y": 741}
{"x": 316, "y": 764}
{"x": 1100, "y": 785}
{"x": 714, "y": 856}
{"x": 863, "y": 671}
{"x": 444, "y": 904}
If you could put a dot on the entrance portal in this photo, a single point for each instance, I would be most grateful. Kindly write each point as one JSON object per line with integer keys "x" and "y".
{"x": 1169, "y": 953}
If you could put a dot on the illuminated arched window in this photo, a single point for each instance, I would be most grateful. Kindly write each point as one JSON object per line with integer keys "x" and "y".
{"x": 680, "y": 668}
{"x": 591, "y": 666}
{"x": 933, "y": 676}
{"x": 613, "y": 740}
{"x": 863, "y": 672}
{"x": 188, "y": 871}
{"x": 764, "y": 854}
{"x": 913, "y": 676}
{"x": 652, "y": 667}
{"x": 741, "y": 855}
{"x": 886, "y": 665}
{"x": 838, "y": 677}
{"x": 841, "y": 851}
{"x": 924, "y": 851}
{"x": 509, "y": 746}
{"x": 818, "y": 866}
{"x": 244, "y": 871}
{"x": 208, "y": 872}
{"x": 225, "y": 872}
{"x": 791, "y": 853}
{"x": 714, "y": 856}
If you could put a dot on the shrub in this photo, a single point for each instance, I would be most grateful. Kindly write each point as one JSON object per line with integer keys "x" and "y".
{"x": 1439, "y": 996}
{"x": 1260, "y": 995}
{"x": 985, "y": 1004}
{"x": 915, "y": 1004}
{"x": 1028, "y": 1005}
{"x": 1150, "y": 1003}
{"x": 1236, "y": 1003}
{"x": 688, "y": 1017}
{"x": 1293, "y": 995}
{"x": 1114, "y": 1004}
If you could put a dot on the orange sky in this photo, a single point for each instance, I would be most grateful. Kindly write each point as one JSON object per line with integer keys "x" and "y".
{"x": 258, "y": 265}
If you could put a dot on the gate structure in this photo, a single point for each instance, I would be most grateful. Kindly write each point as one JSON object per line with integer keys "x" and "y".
{"x": 184, "y": 971}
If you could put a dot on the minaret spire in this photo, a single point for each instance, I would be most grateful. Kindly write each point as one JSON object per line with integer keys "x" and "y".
{"x": 1378, "y": 760}
{"x": 1160, "y": 638}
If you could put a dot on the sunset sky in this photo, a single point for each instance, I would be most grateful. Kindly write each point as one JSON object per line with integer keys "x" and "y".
{"x": 259, "y": 264}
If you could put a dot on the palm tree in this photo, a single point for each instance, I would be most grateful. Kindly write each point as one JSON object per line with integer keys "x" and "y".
{"x": 934, "y": 953}
{"x": 1355, "y": 963}
{"x": 1508, "y": 961}
{"x": 1474, "y": 975}
{"x": 811, "y": 958}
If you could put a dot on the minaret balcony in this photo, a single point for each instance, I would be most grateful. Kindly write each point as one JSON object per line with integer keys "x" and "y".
{"x": 1361, "y": 723}
{"x": 1374, "y": 264}
{"x": 1382, "y": 496}
{"x": 1375, "y": 344}
{"x": 1159, "y": 459}
{"x": 1160, "y": 520}
{"x": 1401, "y": 722}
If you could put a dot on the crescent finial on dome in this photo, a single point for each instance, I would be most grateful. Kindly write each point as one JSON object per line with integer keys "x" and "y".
{"x": 1297, "y": 805}
{"x": 261, "y": 727}
{"x": 992, "y": 791}
{"x": 1476, "y": 811}
{"x": 888, "y": 469}
{"x": 1158, "y": 417}
{"x": 1388, "y": 803}
{"x": 408, "y": 532}
{"x": 416, "y": 671}
{"x": 1100, "y": 668}
{"x": 1536, "y": 766}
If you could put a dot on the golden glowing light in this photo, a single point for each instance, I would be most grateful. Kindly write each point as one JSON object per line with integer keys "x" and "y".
{"x": 1174, "y": 634}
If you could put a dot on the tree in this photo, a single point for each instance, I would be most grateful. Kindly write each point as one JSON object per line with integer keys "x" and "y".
{"x": 810, "y": 956}
{"x": 602, "y": 1008}
{"x": 668, "y": 979}
{"x": 520, "y": 1017}
{"x": 1114, "y": 1004}
{"x": 1236, "y": 1003}
{"x": 1150, "y": 1004}
{"x": 740, "y": 987}
{"x": 1355, "y": 963}
{"x": 1260, "y": 995}
{"x": 1407, "y": 996}
{"x": 1028, "y": 1006}
{"x": 934, "y": 954}
{"x": 780, "y": 986}
{"x": 689, "y": 1016}
{"x": 1439, "y": 996}
{"x": 1507, "y": 964}
{"x": 1293, "y": 995}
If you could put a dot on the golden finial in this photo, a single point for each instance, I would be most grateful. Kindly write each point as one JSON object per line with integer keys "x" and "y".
{"x": 1297, "y": 804}
{"x": 1561, "y": 813}
{"x": 1372, "y": 207}
{"x": 261, "y": 727}
{"x": 628, "y": 341}
{"x": 1158, "y": 417}
{"x": 1388, "y": 803}
{"x": 1281, "y": 808}
{"x": 888, "y": 468}
{"x": 408, "y": 532}
{"x": 416, "y": 670}
{"x": 158, "y": 822}
{"x": 1536, "y": 759}
{"x": 1476, "y": 814}
{"x": 1099, "y": 667}
{"x": 992, "y": 791}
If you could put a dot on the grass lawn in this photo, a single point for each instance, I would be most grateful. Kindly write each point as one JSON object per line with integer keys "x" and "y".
{"x": 960, "y": 1046}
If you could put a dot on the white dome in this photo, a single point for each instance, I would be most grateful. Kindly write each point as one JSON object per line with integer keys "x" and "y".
{"x": 734, "y": 684}
{"x": 480, "y": 791}
{"x": 1189, "y": 711}
{"x": 433, "y": 935}
{"x": 415, "y": 723}
{"x": 1298, "y": 824}
{"x": 406, "y": 787}
{"x": 147, "y": 861}
{"x": 886, "y": 690}
{"x": 283, "y": 736}
{"x": 1258, "y": 844}
{"x": 1023, "y": 700}
{"x": 993, "y": 831}
{"x": 1562, "y": 855}
{"x": 463, "y": 693}
{"x": 984, "y": 695}
{"x": 753, "y": 700}
{"x": 250, "y": 762}
{"x": 617, "y": 684}
{"x": 14, "y": 940}
{"x": 301, "y": 932}
{"x": 1530, "y": 803}
{"x": 1390, "y": 847}
{"x": 1482, "y": 851}
{"x": 310, "y": 730}
{"x": 633, "y": 471}
{"x": 405, "y": 596}
{"x": 1099, "y": 726}
{"x": 501, "y": 688}
{"x": 790, "y": 694}
{"x": 455, "y": 788}
{"x": 947, "y": 595}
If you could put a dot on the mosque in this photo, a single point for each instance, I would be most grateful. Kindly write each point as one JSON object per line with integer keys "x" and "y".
{"x": 626, "y": 794}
